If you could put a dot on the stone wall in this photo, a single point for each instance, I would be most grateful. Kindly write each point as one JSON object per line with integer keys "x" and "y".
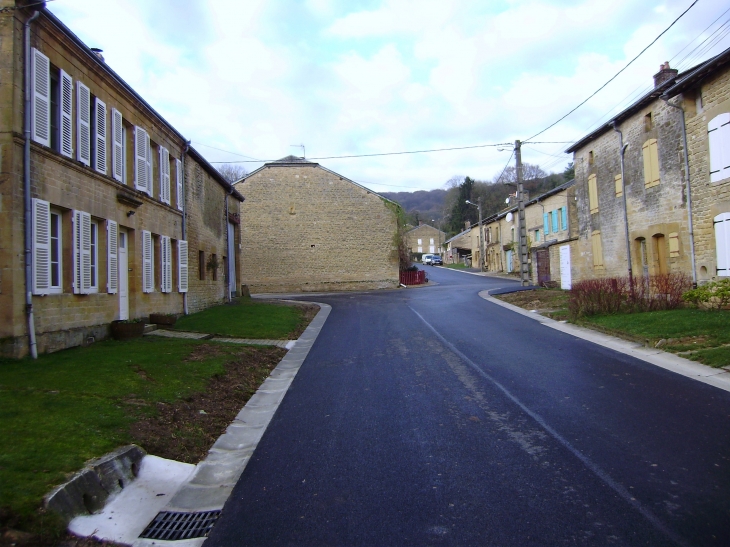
{"x": 708, "y": 199}
{"x": 425, "y": 233}
{"x": 305, "y": 228}
{"x": 652, "y": 212}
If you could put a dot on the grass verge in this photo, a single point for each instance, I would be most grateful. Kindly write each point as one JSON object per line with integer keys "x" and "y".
{"x": 700, "y": 335}
{"x": 456, "y": 266}
{"x": 246, "y": 318}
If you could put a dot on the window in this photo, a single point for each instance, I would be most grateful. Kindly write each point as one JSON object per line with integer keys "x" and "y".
{"x": 431, "y": 241}
{"x": 420, "y": 249}
{"x": 591, "y": 158}
{"x": 593, "y": 194}
{"x": 46, "y": 249}
{"x": 546, "y": 223}
{"x": 201, "y": 265}
{"x": 420, "y": 241}
{"x": 597, "y": 249}
{"x": 99, "y": 129}
{"x": 118, "y": 146}
{"x": 718, "y": 133}
{"x": 148, "y": 255}
{"x": 94, "y": 255}
{"x": 537, "y": 236}
{"x": 165, "y": 264}
{"x": 722, "y": 244}
{"x": 563, "y": 218}
{"x": 651, "y": 163}
{"x": 83, "y": 124}
{"x": 182, "y": 266}
{"x": 214, "y": 263}
{"x": 513, "y": 235}
{"x": 81, "y": 244}
{"x": 673, "y": 245}
{"x": 41, "y": 98}
{"x": 618, "y": 185}
{"x": 648, "y": 122}
{"x": 660, "y": 254}
{"x": 179, "y": 185}
{"x": 54, "y": 113}
{"x": 164, "y": 170}
{"x": 142, "y": 161}
{"x": 554, "y": 215}
{"x": 112, "y": 264}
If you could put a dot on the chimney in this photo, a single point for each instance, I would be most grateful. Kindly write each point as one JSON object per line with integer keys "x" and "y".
{"x": 420, "y": 223}
{"x": 467, "y": 224}
{"x": 98, "y": 53}
{"x": 665, "y": 74}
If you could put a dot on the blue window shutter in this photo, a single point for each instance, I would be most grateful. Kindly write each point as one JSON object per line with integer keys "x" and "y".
{"x": 547, "y": 223}
{"x": 565, "y": 217}
{"x": 555, "y": 220}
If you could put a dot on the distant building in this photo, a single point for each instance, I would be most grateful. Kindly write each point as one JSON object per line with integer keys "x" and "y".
{"x": 425, "y": 239}
{"x": 306, "y": 228}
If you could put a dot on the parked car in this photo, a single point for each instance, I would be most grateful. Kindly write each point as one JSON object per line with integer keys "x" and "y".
{"x": 430, "y": 259}
{"x": 436, "y": 261}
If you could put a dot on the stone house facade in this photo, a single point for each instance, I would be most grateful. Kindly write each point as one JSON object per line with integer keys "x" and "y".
{"x": 425, "y": 239}
{"x": 652, "y": 187}
{"x": 703, "y": 94}
{"x": 305, "y": 228}
{"x": 551, "y": 224}
{"x": 459, "y": 247}
{"x": 104, "y": 220}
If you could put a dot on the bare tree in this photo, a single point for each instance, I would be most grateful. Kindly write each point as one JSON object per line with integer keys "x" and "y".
{"x": 232, "y": 172}
{"x": 529, "y": 172}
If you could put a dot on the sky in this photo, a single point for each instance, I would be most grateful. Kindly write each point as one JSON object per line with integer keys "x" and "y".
{"x": 252, "y": 79}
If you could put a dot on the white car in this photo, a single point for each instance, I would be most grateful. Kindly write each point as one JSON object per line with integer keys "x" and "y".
{"x": 430, "y": 259}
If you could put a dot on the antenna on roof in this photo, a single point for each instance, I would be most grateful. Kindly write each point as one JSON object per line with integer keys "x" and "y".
{"x": 304, "y": 155}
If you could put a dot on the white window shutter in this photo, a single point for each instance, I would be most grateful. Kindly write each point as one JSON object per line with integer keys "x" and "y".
{"x": 166, "y": 260}
{"x": 182, "y": 266}
{"x": 41, "y": 97}
{"x": 140, "y": 159}
{"x": 149, "y": 167}
{"x": 722, "y": 244}
{"x": 66, "y": 102}
{"x": 148, "y": 281}
{"x": 179, "y": 184}
{"x": 100, "y": 154}
{"x": 41, "y": 269}
{"x": 718, "y": 133}
{"x": 164, "y": 175}
{"x": 83, "y": 123}
{"x": 82, "y": 252}
{"x": 117, "y": 145}
{"x": 112, "y": 263}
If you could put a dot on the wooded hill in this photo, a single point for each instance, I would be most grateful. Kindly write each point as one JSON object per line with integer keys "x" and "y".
{"x": 449, "y": 210}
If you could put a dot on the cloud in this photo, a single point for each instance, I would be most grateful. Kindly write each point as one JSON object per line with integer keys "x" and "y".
{"x": 258, "y": 76}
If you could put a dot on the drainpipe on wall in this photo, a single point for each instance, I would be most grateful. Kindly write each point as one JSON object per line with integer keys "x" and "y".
{"x": 689, "y": 191}
{"x": 184, "y": 219}
{"x": 226, "y": 277}
{"x": 26, "y": 194}
{"x": 622, "y": 151}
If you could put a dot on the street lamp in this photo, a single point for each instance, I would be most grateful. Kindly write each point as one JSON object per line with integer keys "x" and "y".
{"x": 478, "y": 205}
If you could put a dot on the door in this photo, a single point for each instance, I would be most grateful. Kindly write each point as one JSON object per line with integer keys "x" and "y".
{"x": 543, "y": 266}
{"x": 123, "y": 274}
{"x": 510, "y": 262}
{"x": 660, "y": 254}
{"x": 231, "y": 260}
{"x": 565, "y": 277}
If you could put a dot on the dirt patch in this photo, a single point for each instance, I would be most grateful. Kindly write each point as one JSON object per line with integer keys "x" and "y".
{"x": 185, "y": 430}
{"x": 550, "y": 302}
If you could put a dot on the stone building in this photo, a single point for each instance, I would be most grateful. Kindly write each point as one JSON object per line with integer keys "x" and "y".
{"x": 106, "y": 214}
{"x": 551, "y": 226}
{"x": 459, "y": 247}
{"x": 652, "y": 187}
{"x": 306, "y": 228}
{"x": 425, "y": 239}
{"x": 703, "y": 94}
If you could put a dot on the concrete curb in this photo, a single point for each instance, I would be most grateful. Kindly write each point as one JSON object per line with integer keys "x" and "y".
{"x": 212, "y": 482}
{"x": 719, "y": 378}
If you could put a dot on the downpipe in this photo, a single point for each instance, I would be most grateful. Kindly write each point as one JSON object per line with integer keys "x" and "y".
{"x": 688, "y": 190}
{"x": 26, "y": 193}
{"x": 184, "y": 219}
{"x": 622, "y": 151}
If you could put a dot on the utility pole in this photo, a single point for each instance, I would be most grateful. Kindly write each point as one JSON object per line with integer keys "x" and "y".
{"x": 521, "y": 225}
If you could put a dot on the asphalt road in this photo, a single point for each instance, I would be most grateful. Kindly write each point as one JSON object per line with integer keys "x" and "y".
{"x": 431, "y": 417}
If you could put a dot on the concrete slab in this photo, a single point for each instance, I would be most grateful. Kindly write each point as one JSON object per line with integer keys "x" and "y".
{"x": 218, "y": 473}
{"x": 128, "y": 513}
{"x": 180, "y": 334}
{"x": 199, "y": 498}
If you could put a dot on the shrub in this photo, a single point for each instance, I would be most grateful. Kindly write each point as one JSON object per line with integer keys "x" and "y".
{"x": 618, "y": 294}
{"x": 715, "y": 295}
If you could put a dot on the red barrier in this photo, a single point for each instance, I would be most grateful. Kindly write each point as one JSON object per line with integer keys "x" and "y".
{"x": 413, "y": 278}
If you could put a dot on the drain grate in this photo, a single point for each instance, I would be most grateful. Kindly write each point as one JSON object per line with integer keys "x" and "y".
{"x": 174, "y": 526}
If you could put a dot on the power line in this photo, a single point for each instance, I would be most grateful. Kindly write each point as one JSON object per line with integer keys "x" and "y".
{"x": 226, "y": 151}
{"x": 383, "y": 153}
{"x": 615, "y": 75}
{"x": 505, "y": 167}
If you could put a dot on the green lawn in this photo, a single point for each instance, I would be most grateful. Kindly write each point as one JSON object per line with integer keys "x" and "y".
{"x": 700, "y": 335}
{"x": 459, "y": 266}
{"x": 244, "y": 319}
{"x": 74, "y": 405}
